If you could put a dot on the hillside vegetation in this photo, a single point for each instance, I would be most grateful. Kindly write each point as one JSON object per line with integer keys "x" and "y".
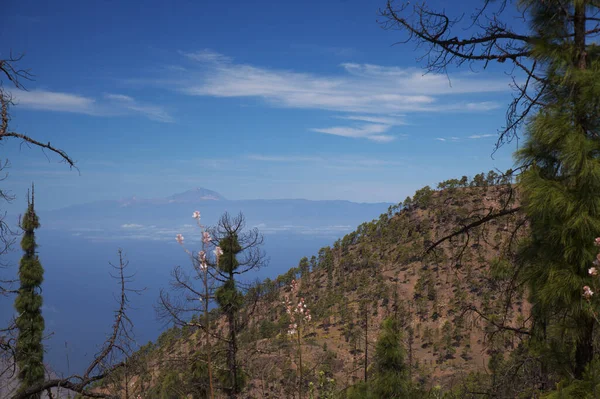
{"x": 457, "y": 304}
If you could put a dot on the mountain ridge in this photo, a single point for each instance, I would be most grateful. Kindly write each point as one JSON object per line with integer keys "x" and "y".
{"x": 190, "y": 197}
{"x": 382, "y": 269}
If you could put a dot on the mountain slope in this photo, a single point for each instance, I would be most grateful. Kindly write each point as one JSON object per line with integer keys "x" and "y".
{"x": 457, "y": 304}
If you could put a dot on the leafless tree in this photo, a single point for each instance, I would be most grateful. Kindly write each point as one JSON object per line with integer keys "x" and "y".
{"x": 10, "y": 70}
{"x": 190, "y": 300}
{"x": 113, "y": 355}
{"x": 15, "y": 75}
{"x": 489, "y": 36}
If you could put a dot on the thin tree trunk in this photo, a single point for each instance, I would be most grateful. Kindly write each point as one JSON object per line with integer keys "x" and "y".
{"x": 579, "y": 20}
{"x": 208, "y": 347}
{"x": 366, "y": 341}
{"x": 300, "y": 362}
{"x": 584, "y": 352}
{"x": 232, "y": 352}
{"x": 231, "y": 355}
{"x": 410, "y": 352}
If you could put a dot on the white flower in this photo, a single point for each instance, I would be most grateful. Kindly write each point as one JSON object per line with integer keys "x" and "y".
{"x": 218, "y": 251}
{"x": 179, "y": 238}
{"x": 196, "y": 215}
{"x": 587, "y": 292}
{"x": 206, "y": 237}
{"x": 593, "y": 271}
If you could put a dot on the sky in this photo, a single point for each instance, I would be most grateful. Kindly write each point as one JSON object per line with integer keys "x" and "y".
{"x": 260, "y": 99}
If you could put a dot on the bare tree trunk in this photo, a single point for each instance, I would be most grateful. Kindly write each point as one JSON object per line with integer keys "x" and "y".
{"x": 584, "y": 352}
{"x": 579, "y": 20}
{"x": 208, "y": 347}
{"x": 300, "y": 363}
{"x": 232, "y": 352}
{"x": 410, "y": 352}
{"x": 231, "y": 355}
{"x": 366, "y": 342}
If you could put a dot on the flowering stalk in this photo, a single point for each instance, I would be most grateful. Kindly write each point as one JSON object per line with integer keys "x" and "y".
{"x": 299, "y": 315}
{"x": 592, "y": 271}
{"x": 201, "y": 265}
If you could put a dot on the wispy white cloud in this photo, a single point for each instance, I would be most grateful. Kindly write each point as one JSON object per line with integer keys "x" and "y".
{"x": 207, "y": 55}
{"x": 413, "y": 80}
{"x": 119, "y": 97}
{"x": 393, "y": 120}
{"x": 482, "y": 106}
{"x": 280, "y": 158}
{"x": 372, "y": 132}
{"x": 108, "y": 105}
{"x": 371, "y": 95}
{"x": 481, "y": 136}
{"x": 300, "y": 90}
{"x": 472, "y": 137}
{"x": 131, "y": 226}
{"x": 55, "y": 101}
{"x": 153, "y": 112}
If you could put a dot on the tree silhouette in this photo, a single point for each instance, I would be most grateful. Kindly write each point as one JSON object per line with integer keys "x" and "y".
{"x": 28, "y": 304}
{"x": 556, "y": 67}
{"x": 241, "y": 254}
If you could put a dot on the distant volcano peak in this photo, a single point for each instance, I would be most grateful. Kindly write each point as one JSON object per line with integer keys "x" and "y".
{"x": 196, "y": 194}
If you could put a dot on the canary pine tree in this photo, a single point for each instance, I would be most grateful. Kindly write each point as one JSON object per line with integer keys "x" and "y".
{"x": 239, "y": 253}
{"x": 390, "y": 379}
{"x": 561, "y": 186}
{"x": 230, "y": 299}
{"x": 28, "y": 304}
{"x": 553, "y": 54}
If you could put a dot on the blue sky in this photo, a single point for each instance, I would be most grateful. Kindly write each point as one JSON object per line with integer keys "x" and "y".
{"x": 261, "y": 99}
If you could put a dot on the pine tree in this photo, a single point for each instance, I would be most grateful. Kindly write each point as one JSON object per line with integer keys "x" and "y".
{"x": 555, "y": 54}
{"x": 30, "y": 322}
{"x": 241, "y": 253}
{"x": 561, "y": 188}
{"x": 230, "y": 299}
{"x": 390, "y": 373}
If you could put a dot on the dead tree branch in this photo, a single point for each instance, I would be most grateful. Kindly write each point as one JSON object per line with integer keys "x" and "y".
{"x": 116, "y": 346}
